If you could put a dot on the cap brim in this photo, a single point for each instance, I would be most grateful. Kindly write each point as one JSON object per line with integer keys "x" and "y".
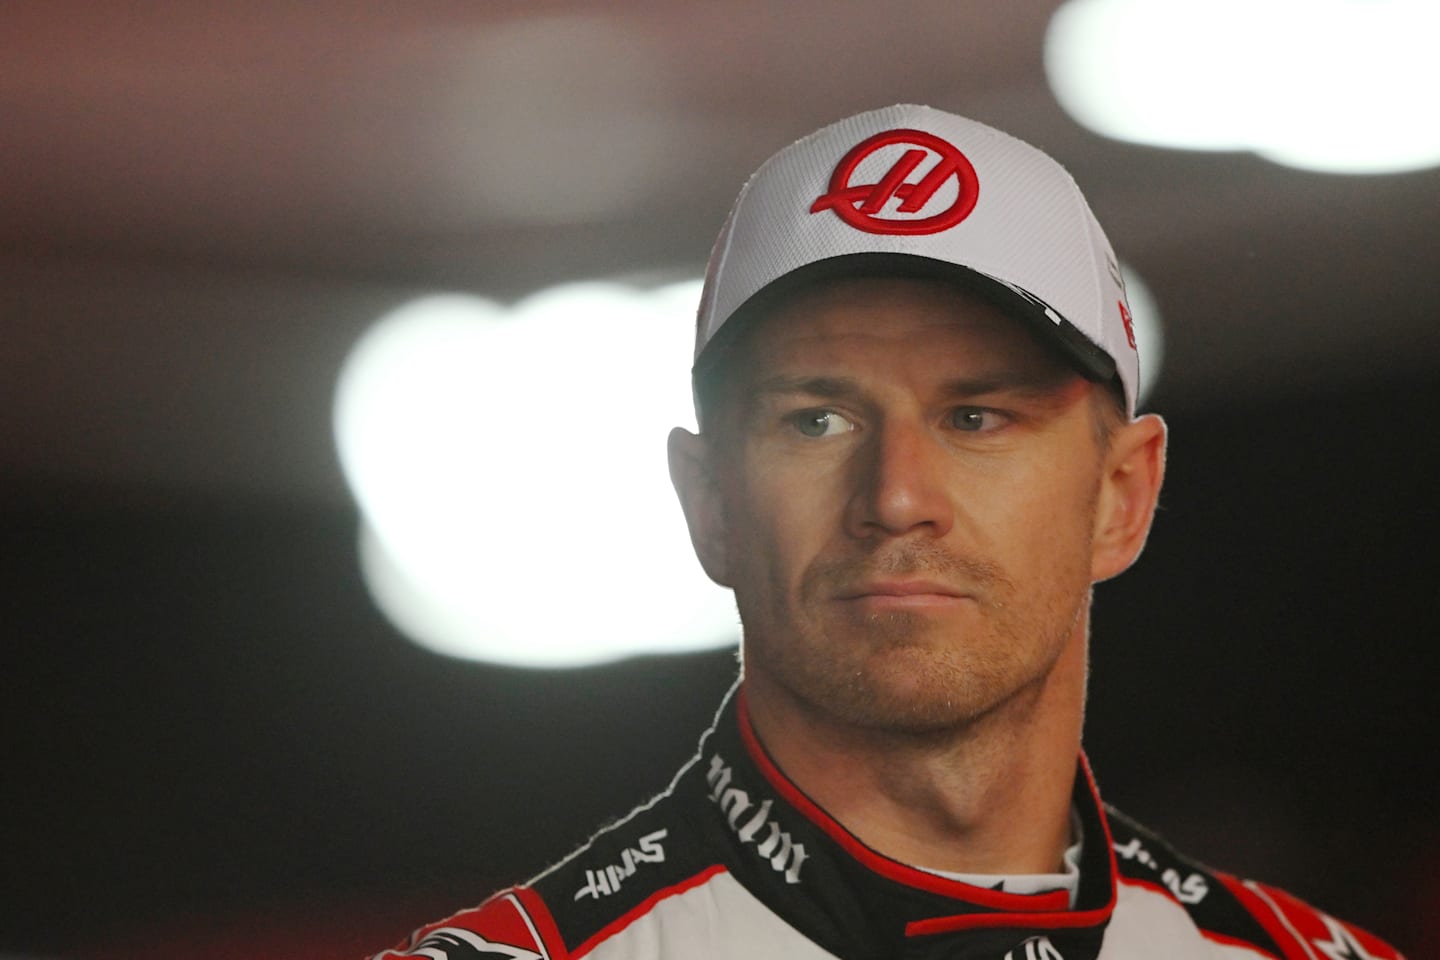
{"x": 1072, "y": 345}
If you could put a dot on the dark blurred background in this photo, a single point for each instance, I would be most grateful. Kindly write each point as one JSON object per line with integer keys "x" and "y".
{"x": 213, "y": 743}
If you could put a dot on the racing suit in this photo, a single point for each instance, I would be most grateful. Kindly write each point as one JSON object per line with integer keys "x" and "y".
{"x": 734, "y": 862}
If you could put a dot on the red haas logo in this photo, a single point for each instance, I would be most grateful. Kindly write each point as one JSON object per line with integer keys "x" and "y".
{"x": 860, "y": 205}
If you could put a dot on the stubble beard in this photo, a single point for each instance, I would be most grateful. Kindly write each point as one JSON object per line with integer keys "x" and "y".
{"x": 912, "y": 673}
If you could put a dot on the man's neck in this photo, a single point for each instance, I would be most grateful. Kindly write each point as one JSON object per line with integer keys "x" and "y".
{"x": 991, "y": 797}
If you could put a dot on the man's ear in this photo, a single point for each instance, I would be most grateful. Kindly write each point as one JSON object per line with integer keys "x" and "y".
{"x": 1129, "y": 492}
{"x": 699, "y": 493}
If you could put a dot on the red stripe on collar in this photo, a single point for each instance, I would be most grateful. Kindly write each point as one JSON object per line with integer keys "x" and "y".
{"x": 1042, "y": 909}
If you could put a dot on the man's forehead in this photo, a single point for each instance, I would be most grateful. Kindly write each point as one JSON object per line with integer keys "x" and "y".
{"x": 947, "y": 330}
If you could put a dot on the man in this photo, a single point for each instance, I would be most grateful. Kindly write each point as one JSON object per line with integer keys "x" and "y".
{"x": 915, "y": 379}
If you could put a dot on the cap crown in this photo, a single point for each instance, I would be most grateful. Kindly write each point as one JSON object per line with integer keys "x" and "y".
{"x": 914, "y": 180}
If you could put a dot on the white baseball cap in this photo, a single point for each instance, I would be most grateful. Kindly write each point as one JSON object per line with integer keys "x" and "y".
{"x": 913, "y": 189}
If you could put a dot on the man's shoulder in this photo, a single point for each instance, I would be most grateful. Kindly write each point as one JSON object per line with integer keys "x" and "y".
{"x": 1230, "y": 911}
{"x": 621, "y": 873}
{"x": 513, "y": 923}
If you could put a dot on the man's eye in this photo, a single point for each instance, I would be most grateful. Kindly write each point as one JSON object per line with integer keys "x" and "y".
{"x": 820, "y": 423}
{"x": 974, "y": 419}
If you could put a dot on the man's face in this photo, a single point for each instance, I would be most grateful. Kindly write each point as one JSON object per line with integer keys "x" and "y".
{"x": 907, "y": 485}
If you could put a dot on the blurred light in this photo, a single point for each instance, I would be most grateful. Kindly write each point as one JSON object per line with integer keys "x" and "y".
{"x": 1340, "y": 86}
{"x": 510, "y": 469}
{"x": 510, "y": 466}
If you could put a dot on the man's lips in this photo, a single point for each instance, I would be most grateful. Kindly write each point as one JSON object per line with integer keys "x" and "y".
{"x": 904, "y": 592}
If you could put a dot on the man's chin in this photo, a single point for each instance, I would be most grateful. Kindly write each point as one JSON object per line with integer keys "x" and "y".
{"x": 907, "y": 685}
{"x": 901, "y": 671}
{"x": 944, "y": 637}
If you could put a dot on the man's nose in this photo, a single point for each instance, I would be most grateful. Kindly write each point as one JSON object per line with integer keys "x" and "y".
{"x": 901, "y": 484}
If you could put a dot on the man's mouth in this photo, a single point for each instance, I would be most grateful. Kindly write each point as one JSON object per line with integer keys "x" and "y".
{"x": 905, "y": 594}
